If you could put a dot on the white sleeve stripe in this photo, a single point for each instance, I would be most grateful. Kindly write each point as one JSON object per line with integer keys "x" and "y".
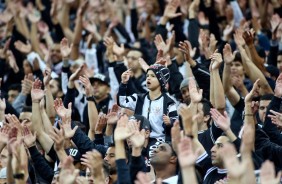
{"x": 202, "y": 157}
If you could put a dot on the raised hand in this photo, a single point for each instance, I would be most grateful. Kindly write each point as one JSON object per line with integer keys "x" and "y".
{"x": 216, "y": 59}
{"x": 47, "y": 76}
{"x": 248, "y": 37}
{"x": 276, "y": 118}
{"x": 77, "y": 73}
{"x": 253, "y": 93}
{"x": 58, "y": 136}
{"x": 227, "y": 54}
{"x": 161, "y": 45}
{"x": 94, "y": 161}
{"x": 101, "y": 124}
{"x": 278, "y": 87}
{"x": 267, "y": 173}
{"x": 23, "y": 48}
{"x": 87, "y": 85}
{"x": 68, "y": 173}
{"x": 13, "y": 121}
{"x": 239, "y": 38}
{"x": 29, "y": 139}
{"x": 231, "y": 162}
{"x": 109, "y": 43}
{"x": 61, "y": 110}
{"x": 118, "y": 50}
{"x": 170, "y": 9}
{"x": 122, "y": 130}
{"x": 138, "y": 137}
{"x": 42, "y": 27}
{"x": 222, "y": 121}
{"x": 112, "y": 116}
{"x": 185, "y": 112}
{"x": 196, "y": 96}
{"x": 186, "y": 48}
{"x": 12, "y": 61}
{"x": 187, "y": 157}
{"x": 65, "y": 48}
{"x": 36, "y": 92}
{"x": 4, "y": 133}
{"x": 27, "y": 84}
{"x": 125, "y": 76}
{"x": 34, "y": 16}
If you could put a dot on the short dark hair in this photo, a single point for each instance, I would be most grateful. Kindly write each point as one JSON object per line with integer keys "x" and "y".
{"x": 58, "y": 79}
{"x": 238, "y": 57}
{"x": 17, "y": 87}
{"x": 206, "y": 106}
{"x": 266, "y": 97}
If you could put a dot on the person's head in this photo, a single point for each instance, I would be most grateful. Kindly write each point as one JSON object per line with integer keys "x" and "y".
{"x": 157, "y": 77}
{"x": 203, "y": 111}
{"x": 184, "y": 89}
{"x": 279, "y": 61}
{"x": 25, "y": 115}
{"x": 110, "y": 160}
{"x": 13, "y": 91}
{"x": 132, "y": 60}
{"x": 263, "y": 104}
{"x": 56, "y": 88}
{"x": 237, "y": 65}
{"x": 56, "y": 56}
{"x": 163, "y": 156}
{"x": 215, "y": 151}
{"x": 27, "y": 67}
{"x": 101, "y": 86}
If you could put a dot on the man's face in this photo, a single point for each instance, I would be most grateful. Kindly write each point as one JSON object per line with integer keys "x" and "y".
{"x": 56, "y": 56}
{"x": 110, "y": 159}
{"x": 100, "y": 90}
{"x": 279, "y": 63}
{"x": 185, "y": 95}
{"x": 152, "y": 81}
{"x": 162, "y": 155}
{"x": 12, "y": 95}
{"x": 27, "y": 67}
{"x": 263, "y": 104}
{"x": 200, "y": 113}
{"x": 215, "y": 151}
{"x": 132, "y": 59}
{"x": 237, "y": 68}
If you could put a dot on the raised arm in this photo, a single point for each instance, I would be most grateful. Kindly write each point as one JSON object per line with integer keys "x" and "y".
{"x": 251, "y": 69}
{"x": 229, "y": 90}
{"x": 36, "y": 95}
{"x": 219, "y": 98}
{"x": 49, "y": 97}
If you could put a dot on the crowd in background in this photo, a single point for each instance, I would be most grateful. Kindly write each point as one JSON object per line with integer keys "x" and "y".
{"x": 140, "y": 91}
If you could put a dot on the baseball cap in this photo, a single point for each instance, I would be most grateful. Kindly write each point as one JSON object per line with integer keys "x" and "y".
{"x": 100, "y": 77}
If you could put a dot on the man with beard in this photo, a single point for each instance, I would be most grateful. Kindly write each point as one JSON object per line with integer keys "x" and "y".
{"x": 110, "y": 164}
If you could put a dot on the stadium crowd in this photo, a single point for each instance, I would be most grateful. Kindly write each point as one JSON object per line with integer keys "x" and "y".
{"x": 141, "y": 91}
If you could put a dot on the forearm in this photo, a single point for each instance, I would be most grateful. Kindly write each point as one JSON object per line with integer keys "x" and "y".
{"x": 109, "y": 130}
{"x": 257, "y": 60}
{"x": 189, "y": 175}
{"x": 34, "y": 40}
{"x": 10, "y": 178}
{"x": 120, "y": 150}
{"x": 61, "y": 154}
{"x": 47, "y": 125}
{"x": 219, "y": 97}
{"x": 232, "y": 137}
{"x": 50, "y": 110}
{"x": 77, "y": 37}
{"x": 212, "y": 100}
{"x": 254, "y": 73}
{"x": 93, "y": 116}
{"x": 19, "y": 103}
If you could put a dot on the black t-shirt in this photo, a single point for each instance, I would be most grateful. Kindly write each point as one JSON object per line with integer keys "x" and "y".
{"x": 237, "y": 118}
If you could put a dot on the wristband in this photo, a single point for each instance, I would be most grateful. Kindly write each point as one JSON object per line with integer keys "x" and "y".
{"x": 18, "y": 176}
{"x": 90, "y": 98}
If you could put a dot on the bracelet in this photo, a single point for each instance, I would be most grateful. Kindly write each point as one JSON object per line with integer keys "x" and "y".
{"x": 18, "y": 176}
{"x": 248, "y": 115}
{"x": 90, "y": 98}
{"x": 190, "y": 136}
